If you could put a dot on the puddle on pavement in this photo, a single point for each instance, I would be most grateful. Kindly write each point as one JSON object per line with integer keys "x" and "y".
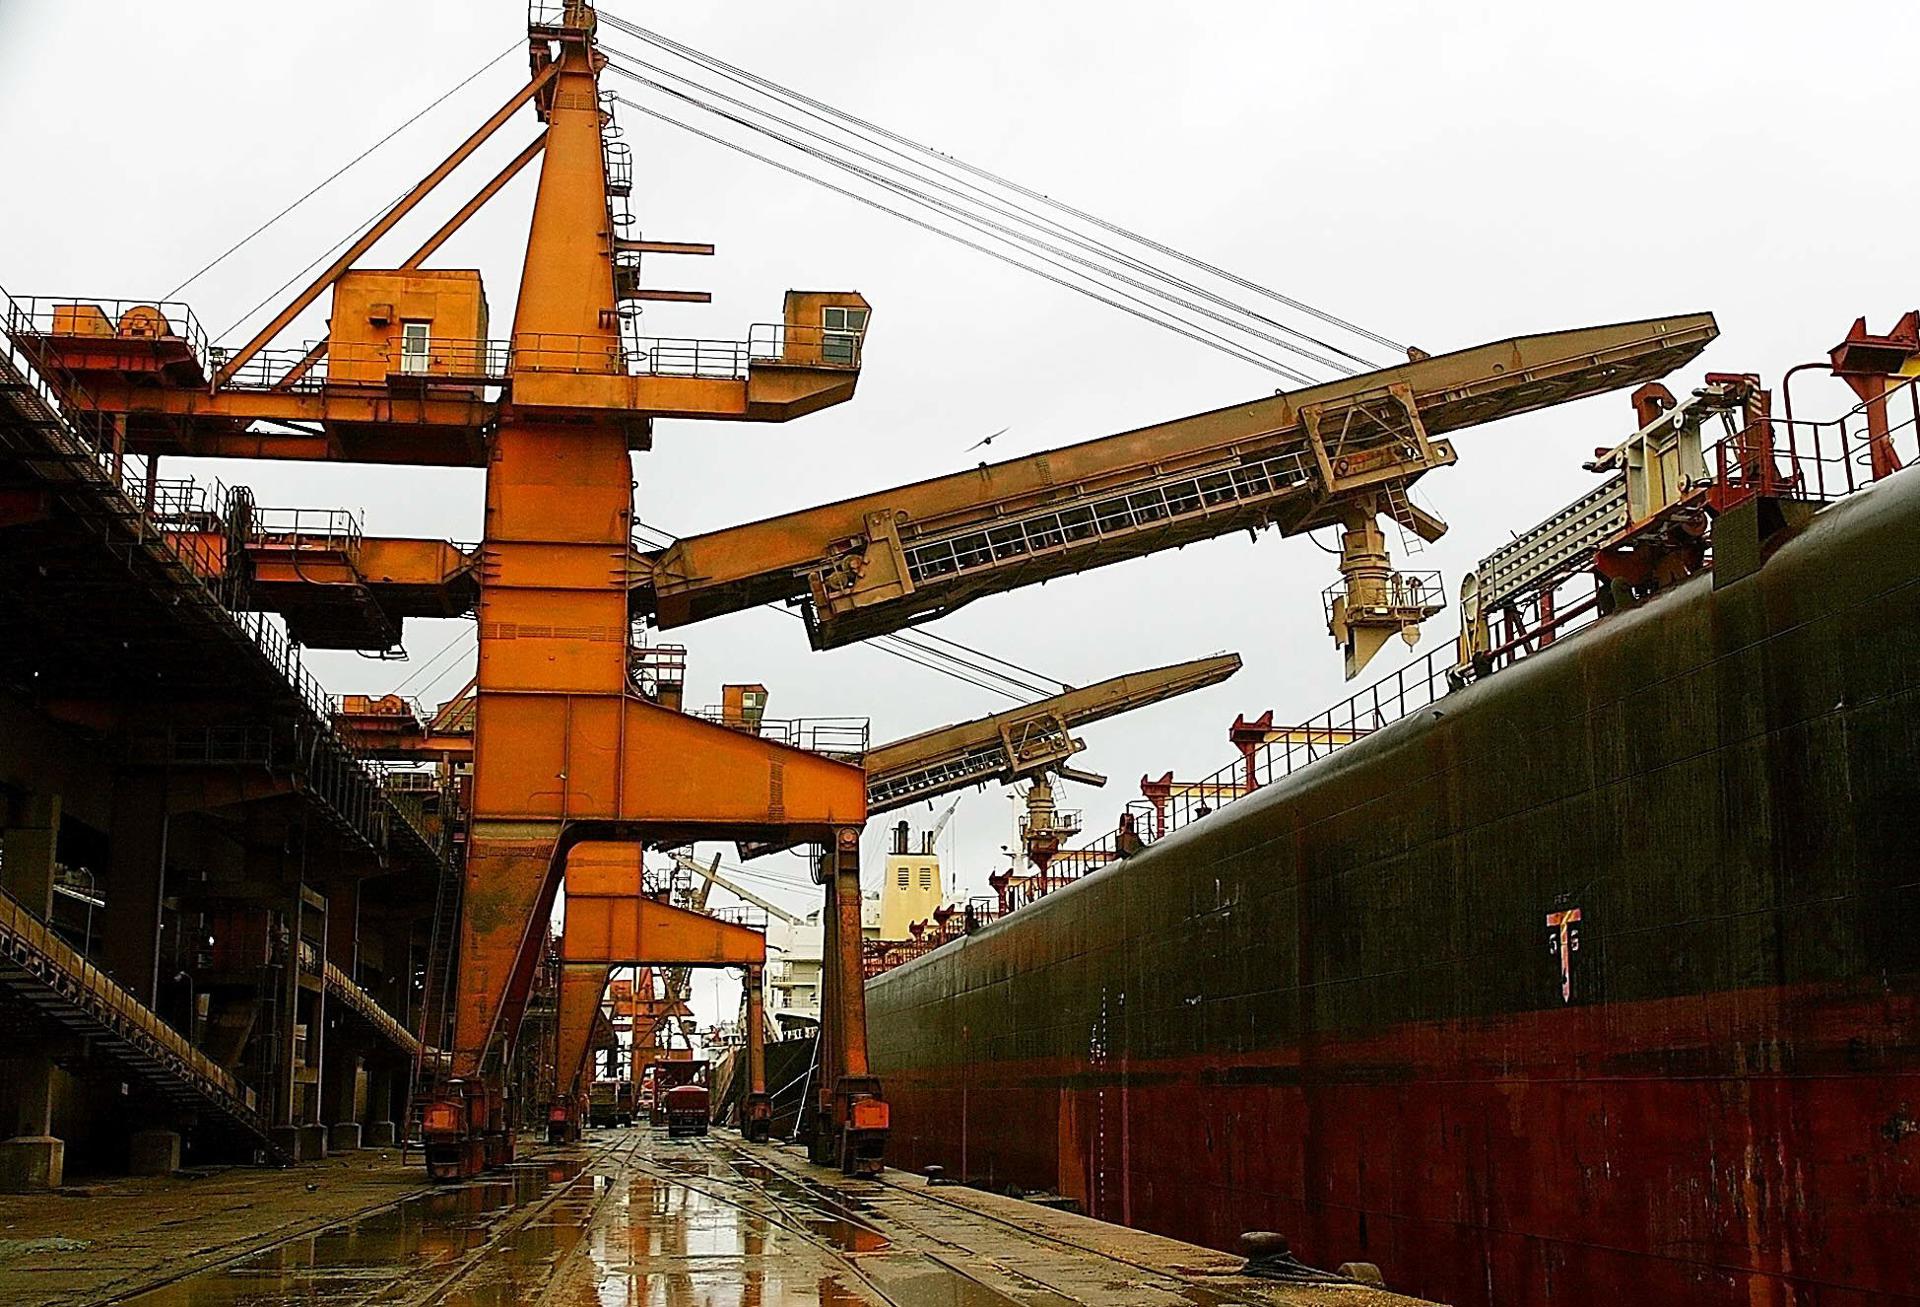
{"x": 416, "y": 1242}
{"x": 648, "y": 1229}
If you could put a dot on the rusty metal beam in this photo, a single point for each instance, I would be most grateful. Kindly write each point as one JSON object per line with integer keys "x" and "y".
{"x": 609, "y": 920}
{"x": 576, "y": 1008}
{"x": 435, "y": 241}
{"x": 386, "y": 223}
{"x": 1304, "y": 452}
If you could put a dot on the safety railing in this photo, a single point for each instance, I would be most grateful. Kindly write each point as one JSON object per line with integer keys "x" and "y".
{"x": 69, "y": 316}
{"x": 833, "y": 737}
{"x": 333, "y": 529}
{"x": 414, "y": 781}
{"x": 1820, "y": 459}
{"x": 1418, "y": 685}
{"x": 77, "y": 993}
{"x": 948, "y": 924}
{"x": 554, "y": 17}
{"x": 538, "y": 351}
{"x": 808, "y": 347}
{"x": 334, "y": 365}
{"x": 673, "y": 356}
{"x": 1404, "y": 592}
{"x": 367, "y": 1007}
{"x": 746, "y": 915}
{"x": 1064, "y": 822}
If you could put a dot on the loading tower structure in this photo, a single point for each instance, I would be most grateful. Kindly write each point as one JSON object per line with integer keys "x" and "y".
{"x": 570, "y": 778}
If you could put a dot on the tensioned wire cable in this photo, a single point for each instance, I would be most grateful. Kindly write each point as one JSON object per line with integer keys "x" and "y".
{"x": 342, "y": 171}
{"x": 855, "y": 124}
{"x": 1046, "y": 229}
{"x": 988, "y": 198}
{"x": 1192, "y": 334}
{"x": 1024, "y": 243}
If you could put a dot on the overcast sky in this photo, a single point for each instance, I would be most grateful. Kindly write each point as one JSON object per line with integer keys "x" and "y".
{"x": 1445, "y": 174}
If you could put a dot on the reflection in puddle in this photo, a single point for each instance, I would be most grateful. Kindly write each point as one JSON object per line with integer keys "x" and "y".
{"x": 632, "y": 1226}
{"x": 416, "y": 1242}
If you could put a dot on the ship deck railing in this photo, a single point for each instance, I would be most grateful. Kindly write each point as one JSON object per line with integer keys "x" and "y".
{"x": 1779, "y": 456}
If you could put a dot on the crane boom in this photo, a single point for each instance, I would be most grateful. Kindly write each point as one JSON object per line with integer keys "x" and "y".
{"x": 939, "y": 827}
{"x": 712, "y": 876}
{"x": 1333, "y": 454}
{"x": 1025, "y": 741}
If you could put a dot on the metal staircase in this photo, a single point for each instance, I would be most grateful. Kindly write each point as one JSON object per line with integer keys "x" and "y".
{"x": 42, "y": 973}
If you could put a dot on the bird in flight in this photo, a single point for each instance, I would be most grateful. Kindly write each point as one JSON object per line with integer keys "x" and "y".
{"x": 989, "y": 440}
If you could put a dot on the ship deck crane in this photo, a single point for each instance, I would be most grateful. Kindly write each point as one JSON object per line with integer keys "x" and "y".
{"x": 711, "y": 876}
{"x": 1340, "y": 454}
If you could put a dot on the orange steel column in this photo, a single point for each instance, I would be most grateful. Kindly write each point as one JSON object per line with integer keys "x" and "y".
{"x": 552, "y": 614}
{"x": 859, "y": 1114}
{"x": 818, "y": 1125}
{"x": 756, "y": 1110}
{"x": 582, "y": 984}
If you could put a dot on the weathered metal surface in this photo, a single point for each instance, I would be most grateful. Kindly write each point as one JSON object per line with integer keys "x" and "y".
{"x": 1603, "y": 972}
{"x": 880, "y": 561}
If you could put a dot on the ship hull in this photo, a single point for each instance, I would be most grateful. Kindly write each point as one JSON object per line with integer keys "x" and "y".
{"x": 1338, "y": 1008}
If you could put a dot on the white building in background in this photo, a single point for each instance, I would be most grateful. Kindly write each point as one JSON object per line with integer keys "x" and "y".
{"x": 793, "y": 966}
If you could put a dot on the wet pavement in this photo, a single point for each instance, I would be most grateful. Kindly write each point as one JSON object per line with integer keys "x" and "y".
{"x": 634, "y": 1219}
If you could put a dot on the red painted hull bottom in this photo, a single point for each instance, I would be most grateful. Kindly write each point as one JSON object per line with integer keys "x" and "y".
{"x": 1750, "y": 1147}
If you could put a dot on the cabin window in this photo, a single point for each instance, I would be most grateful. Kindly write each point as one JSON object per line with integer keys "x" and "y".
{"x": 413, "y": 346}
{"x": 840, "y": 335}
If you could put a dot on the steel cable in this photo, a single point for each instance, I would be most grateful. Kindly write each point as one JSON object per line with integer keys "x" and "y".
{"x": 1191, "y": 334}
{"x": 855, "y": 124}
{"x": 342, "y": 170}
{"x": 984, "y": 199}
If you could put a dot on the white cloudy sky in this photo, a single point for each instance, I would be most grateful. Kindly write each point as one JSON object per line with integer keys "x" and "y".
{"x": 1445, "y": 174}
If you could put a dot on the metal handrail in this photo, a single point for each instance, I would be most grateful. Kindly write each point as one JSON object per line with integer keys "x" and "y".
{"x": 78, "y": 315}
{"x": 1813, "y": 460}
{"x": 372, "y": 364}
{"x": 306, "y": 528}
{"x": 805, "y": 346}
{"x": 833, "y": 737}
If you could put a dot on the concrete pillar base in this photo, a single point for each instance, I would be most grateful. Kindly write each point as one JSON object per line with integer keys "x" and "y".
{"x": 313, "y": 1143}
{"x": 344, "y": 1137}
{"x": 153, "y": 1152}
{"x": 382, "y": 1134}
{"x": 287, "y": 1139}
{"x": 32, "y": 1162}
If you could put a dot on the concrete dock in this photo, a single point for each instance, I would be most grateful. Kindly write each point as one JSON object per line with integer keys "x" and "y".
{"x": 630, "y": 1216}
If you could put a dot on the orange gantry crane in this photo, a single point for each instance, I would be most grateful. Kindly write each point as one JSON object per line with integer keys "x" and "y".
{"x": 570, "y": 778}
{"x": 573, "y": 770}
{"x": 1029, "y": 742}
